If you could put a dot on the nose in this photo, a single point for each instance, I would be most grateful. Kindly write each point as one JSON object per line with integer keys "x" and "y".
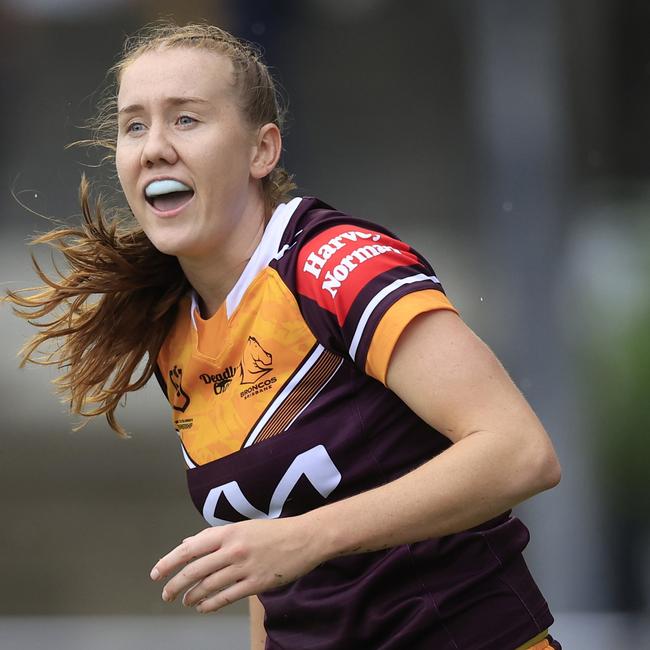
{"x": 157, "y": 148}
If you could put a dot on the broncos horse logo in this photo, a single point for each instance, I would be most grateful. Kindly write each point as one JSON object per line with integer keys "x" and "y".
{"x": 255, "y": 363}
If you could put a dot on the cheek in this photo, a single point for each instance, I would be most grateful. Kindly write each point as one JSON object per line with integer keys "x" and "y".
{"x": 119, "y": 168}
{"x": 123, "y": 168}
{"x": 224, "y": 172}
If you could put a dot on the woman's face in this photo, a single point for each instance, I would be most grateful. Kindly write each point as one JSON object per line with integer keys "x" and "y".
{"x": 184, "y": 151}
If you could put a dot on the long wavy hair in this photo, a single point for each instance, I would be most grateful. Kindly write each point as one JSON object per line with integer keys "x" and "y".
{"x": 111, "y": 306}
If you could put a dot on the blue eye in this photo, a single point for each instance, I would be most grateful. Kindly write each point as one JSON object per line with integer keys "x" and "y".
{"x": 186, "y": 120}
{"x": 135, "y": 127}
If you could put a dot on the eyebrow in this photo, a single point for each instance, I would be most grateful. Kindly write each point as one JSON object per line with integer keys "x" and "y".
{"x": 171, "y": 101}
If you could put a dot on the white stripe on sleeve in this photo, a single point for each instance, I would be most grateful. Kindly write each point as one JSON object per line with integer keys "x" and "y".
{"x": 372, "y": 305}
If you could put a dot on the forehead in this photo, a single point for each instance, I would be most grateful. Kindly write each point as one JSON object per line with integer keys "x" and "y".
{"x": 178, "y": 72}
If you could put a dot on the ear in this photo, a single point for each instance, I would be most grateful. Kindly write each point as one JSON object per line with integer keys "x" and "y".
{"x": 267, "y": 151}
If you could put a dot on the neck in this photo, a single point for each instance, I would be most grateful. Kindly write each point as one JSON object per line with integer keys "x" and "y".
{"x": 213, "y": 276}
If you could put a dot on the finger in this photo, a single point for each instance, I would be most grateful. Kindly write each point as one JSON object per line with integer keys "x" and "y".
{"x": 174, "y": 560}
{"x": 215, "y": 582}
{"x": 225, "y": 597}
{"x": 192, "y": 573}
{"x": 205, "y": 532}
{"x": 188, "y": 550}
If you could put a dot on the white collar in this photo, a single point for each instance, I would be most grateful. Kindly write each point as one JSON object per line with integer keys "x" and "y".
{"x": 266, "y": 250}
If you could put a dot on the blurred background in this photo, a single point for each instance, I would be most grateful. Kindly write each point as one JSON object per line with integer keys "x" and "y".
{"x": 506, "y": 140}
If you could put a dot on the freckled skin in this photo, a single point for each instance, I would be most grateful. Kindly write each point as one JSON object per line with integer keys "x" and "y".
{"x": 205, "y": 144}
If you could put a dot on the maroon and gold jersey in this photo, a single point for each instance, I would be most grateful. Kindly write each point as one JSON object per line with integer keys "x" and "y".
{"x": 280, "y": 403}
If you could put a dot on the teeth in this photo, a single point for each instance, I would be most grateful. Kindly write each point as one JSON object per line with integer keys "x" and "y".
{"x": 166, "y": 186}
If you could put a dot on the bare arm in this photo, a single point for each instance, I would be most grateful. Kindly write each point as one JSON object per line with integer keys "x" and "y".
{"x": 501, "y": 455}
{"x": 257, "y": 631}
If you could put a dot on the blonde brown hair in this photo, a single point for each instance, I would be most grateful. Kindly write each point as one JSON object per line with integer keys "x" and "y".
{"x": 259, "y": 97}
{"x": 113, "y": 305}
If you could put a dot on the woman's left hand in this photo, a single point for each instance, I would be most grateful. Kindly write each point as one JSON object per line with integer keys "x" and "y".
{"x": 220, "y": 565}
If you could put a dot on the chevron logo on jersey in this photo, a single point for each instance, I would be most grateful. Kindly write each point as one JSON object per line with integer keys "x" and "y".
{"x": 314, "y": 464}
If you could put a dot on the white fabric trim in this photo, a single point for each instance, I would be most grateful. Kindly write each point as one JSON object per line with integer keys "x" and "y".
{"x": 266, "y": 250}
{"x": 264, "y": 253}
{"x": 371, "y": 306}
{"x": 194, "y": 309}
{"x": 188, "y": 460}
{"x": 286, "y": 391}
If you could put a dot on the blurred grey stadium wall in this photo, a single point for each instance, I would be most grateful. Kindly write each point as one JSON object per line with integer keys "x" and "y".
{"x": 507, "y": 140}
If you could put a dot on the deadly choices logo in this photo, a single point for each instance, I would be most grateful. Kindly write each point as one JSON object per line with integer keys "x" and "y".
{"x": 255, "y": 365}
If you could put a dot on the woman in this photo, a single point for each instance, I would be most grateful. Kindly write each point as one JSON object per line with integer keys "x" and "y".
{"x": 354, "y": 446}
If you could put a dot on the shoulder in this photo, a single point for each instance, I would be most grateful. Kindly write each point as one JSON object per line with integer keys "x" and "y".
{"x": 327, "y": 252}
{"x": 356, "y": 283}
{"x": 314, "y": 217}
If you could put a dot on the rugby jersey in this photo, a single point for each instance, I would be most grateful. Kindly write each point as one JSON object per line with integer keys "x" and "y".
{"x": 280, "y": 404}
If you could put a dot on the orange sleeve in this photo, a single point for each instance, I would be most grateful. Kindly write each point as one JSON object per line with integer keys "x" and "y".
{"x": 394, "y": 322}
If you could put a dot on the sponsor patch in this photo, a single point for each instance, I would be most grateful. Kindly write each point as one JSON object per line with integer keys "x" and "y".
{"x": 180, "y": 400}
{"x": 184, "y": 424}
{"x": 221, "y": 380}
{"x": 256, "y": 362}
{"x": 338, "y": 263}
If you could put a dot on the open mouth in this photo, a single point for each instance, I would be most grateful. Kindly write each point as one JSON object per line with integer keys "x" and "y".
{"x": 168, "y": 194}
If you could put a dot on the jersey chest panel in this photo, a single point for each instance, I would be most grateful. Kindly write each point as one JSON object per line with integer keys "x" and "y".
{"x": 217, "y": 400}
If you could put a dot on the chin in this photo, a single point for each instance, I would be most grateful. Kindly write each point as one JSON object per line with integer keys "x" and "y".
{"x": 178, "y": 247}
{"x": 168, "y": 246}
{"x": 170, "y": 241}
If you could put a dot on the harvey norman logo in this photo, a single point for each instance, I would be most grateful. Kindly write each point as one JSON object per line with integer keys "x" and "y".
{"x": 334, "y": 277}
